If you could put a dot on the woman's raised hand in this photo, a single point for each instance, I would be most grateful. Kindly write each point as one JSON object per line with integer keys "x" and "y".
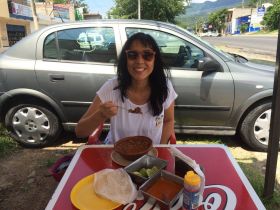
{"x": 108, "y": 109}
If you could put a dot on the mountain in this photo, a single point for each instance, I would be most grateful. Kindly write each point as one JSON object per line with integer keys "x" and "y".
{"x": 201, "y": 11}
{"x": 208, "y": 6}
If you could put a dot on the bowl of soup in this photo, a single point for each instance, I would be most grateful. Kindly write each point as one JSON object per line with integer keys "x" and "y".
{"x": 134, "y": 147}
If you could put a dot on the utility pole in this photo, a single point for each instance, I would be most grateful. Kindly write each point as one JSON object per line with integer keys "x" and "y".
{"x": 34, "y": 14}
{"x": 139, "y": 10}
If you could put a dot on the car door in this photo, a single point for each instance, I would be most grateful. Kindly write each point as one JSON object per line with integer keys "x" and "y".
{"x": 74, "y": 65}
{"x": 205, "y": 99}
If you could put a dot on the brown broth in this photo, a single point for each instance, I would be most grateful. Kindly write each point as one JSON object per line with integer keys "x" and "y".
{"x": 131, "y": 146}
{"x": 164, "y": 189}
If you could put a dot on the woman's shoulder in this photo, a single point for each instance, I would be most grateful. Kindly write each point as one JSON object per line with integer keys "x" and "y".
{"x": 169, "y": 83}
{"x": 111, "y": 83}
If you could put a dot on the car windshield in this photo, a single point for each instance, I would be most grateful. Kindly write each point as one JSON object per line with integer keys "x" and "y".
{"x": 220, "y": 52}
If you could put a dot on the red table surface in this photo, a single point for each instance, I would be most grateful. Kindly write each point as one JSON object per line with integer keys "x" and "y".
{"x": 224, "y": 188}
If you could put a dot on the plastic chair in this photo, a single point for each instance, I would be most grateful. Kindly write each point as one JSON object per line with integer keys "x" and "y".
{"x": 172, "y": 139}
{"x": 94, "y": 138}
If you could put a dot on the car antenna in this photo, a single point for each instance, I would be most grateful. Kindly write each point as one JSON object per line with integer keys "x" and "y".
{"x": 58, "y": 15}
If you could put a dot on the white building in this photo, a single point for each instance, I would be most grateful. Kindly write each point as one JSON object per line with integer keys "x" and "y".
{"x": 250, "y": 17}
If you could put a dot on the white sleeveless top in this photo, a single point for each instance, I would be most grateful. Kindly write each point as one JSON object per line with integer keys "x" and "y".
{"x": 126, "y": 124}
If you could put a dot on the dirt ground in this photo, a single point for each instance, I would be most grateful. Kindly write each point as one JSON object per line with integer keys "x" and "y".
{"x": 25, "y": 182}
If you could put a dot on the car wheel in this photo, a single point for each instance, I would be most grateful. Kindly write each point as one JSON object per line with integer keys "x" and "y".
{"x": 32, "y": 125}
{"x": 255, "y": 127}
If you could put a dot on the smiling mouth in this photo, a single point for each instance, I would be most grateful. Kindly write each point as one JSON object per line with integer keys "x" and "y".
{"x": 140, "y": 68}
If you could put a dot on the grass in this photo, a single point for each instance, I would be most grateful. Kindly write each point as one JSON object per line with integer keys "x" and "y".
{"x": 46, "y": 163}
{"x": 7, "y": 144}
{"x": 257, "y": 181}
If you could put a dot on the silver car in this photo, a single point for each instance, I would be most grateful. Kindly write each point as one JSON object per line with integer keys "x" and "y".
{"x": 48, "y": 80}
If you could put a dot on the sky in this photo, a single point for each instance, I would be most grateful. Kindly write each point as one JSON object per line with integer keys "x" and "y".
{"x": 103, "y": 6}
{"x": 200, "y": 1}
{"x": 100, "y": 6}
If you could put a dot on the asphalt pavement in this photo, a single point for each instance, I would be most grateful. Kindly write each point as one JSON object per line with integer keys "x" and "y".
{"x": 250, "y": 46}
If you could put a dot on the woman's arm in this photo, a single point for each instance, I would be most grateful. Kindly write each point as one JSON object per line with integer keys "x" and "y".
{"x": 96, "y": 114}
{"x": 168, "y": 124}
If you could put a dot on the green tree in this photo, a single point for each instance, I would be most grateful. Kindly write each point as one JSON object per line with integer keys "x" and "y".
{"x": 217, "y": 20}
{"x": 59, "y": 1}
{"x": 252, "y": 3}
{"x": 163, "y": 10}
{"x": 257, "y": 3}
{"x": 81, "y": 3}
{"x": 272, "y": 16}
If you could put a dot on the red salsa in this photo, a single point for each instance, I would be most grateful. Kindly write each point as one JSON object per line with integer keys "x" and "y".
{"x": 164, "y": 189}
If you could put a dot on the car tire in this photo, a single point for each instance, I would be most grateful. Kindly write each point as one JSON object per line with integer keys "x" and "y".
{"x": 32, "y": 125}
{"x": 255, "y": 127}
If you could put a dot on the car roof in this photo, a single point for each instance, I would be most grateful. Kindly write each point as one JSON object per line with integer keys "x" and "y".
{"x": 29, "y": 42}
{"x": 118, "y": 21}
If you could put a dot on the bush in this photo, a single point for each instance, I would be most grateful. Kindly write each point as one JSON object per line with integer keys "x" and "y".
{"x": 272, "y": 16}
{"x": 243, "y": 28}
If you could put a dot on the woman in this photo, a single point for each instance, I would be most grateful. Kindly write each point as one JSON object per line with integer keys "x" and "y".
{"x": 140, "y": 101}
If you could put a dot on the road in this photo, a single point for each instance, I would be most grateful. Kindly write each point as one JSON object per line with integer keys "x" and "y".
{"x": 256, "y": 44}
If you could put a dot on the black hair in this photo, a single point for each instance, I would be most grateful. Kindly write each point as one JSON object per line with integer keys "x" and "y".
{"x": 157, "y": 79}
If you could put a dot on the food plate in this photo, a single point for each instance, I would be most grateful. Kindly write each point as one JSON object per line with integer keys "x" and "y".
{"x": 117, "y": 158}
{"x": 83, "y": 196}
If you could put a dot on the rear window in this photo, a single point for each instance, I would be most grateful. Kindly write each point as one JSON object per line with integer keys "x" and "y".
{"x": 82, "y": 44}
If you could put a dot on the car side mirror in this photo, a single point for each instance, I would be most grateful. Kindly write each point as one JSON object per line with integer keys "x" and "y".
{"x": 207, "y": 64}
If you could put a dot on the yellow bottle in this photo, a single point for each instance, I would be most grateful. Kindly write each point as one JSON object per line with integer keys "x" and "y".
{"x": 191, "y": 191}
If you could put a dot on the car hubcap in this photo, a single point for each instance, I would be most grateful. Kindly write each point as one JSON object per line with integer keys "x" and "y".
{"x": 31, "y": 124}
{"x": 261, "y": 127}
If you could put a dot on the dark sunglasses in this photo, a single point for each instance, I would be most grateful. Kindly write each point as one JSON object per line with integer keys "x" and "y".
{"x": 146, "y": 55}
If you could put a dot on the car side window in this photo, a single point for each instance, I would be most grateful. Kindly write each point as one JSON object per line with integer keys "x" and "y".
{"x": 175, "y": 51}
{"x": 50, "y": 49}
{"x": 86, "y": 44}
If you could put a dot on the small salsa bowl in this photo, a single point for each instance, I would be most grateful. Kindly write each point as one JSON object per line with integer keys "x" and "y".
{"x": 165, "y": 187}
{"x": 146, "y": 161}
{"x": 131, "y": 148}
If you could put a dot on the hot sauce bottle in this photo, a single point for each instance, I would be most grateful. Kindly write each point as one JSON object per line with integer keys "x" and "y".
{"x": 191, "y": 191}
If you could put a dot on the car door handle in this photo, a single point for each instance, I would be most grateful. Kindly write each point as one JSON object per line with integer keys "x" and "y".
{"x": 56, "y": 77}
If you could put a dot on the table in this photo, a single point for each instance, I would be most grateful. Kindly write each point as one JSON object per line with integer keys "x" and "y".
{"x": 226, "y": 185}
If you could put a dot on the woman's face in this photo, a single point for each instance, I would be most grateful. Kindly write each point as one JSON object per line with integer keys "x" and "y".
{"x": 140, "y": 61}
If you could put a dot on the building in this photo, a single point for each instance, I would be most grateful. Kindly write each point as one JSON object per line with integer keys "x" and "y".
{"x": 48, "y": 13}
{"x": 15, "y": 21}
{"x": 246, "y": 19}
{"x": 92, "y": 16}
{"x": 17, "y": 18}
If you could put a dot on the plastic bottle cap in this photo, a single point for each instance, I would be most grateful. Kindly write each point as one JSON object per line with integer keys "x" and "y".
{"x": 192, "y": 178}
